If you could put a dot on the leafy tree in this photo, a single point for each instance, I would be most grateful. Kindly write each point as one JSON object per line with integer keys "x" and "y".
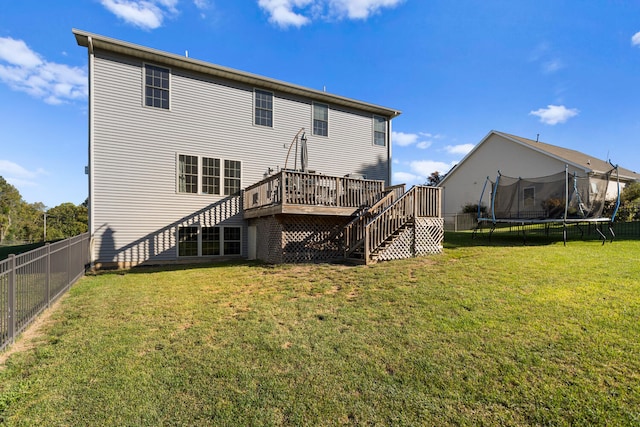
{"x": 435, "y": 178}
{"x": 30, "y": 223}
{"x": 631, "y": 193}
{"x": 10, "y": 203}
{"x": 66, "y": 220}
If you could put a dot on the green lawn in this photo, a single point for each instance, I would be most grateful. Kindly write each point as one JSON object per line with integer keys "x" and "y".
{"x": 489, "y": 333}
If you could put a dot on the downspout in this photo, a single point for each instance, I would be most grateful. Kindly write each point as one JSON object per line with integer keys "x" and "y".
{"x": 92, "y": 223}
{"x": 389, "y": 159}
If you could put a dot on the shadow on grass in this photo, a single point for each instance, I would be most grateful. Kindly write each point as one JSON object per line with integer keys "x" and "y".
{"x": 464, "y": 239}
{"x": 153, "y": 268}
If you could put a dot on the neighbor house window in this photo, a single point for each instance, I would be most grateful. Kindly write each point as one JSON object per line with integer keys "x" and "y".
{"x": 320, "y": 119}
{"x": 187, "y": 174}
{"x": 529, "y": 198}
{"x": 156, "y": 87}
{"x": 379, "y": 131}
{"x": 203, "y": 175}
{"x": 263, "y": 115}
{"x": 210, "y": 176}
{"x": 194, "y": 240}
{"x": 231, "y": 177}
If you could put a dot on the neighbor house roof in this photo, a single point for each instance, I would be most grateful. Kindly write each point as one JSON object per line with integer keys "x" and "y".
{"x": 96, "y": 41}
{"x": 577, "y": 159}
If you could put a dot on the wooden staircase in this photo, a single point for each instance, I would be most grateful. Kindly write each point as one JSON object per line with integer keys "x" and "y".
{"x": 377, "y": 228}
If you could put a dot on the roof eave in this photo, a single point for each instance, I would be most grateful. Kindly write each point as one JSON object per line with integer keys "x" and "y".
{"x": 153, "y": 55}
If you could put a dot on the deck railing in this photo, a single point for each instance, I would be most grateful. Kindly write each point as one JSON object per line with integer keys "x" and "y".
{"x": 301, "y": 188}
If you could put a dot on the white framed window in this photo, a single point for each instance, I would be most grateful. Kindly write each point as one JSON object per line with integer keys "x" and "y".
{"x": 379, "y": 131}
{"x": 206, "y": 175}
{"x": 156, "y": 86}
{"x": 210, "y": 176}
{"x": 188, "y": 241}
{"x": 263, "y": 108}
{"x": 320, "y": 119}
{"x": 232, "y": 177}
{"x": 195, "y": 240}
{"x": 187, "y": 174}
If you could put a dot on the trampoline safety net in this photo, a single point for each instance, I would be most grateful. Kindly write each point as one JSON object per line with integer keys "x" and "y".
{"x": 559, "y": 196}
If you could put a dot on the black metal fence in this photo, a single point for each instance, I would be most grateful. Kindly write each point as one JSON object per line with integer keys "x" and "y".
{"x": 31, "y": 281}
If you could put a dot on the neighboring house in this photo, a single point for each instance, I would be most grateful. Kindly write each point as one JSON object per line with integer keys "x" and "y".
{"x": 174, "y": 141}
{"x": 516, "y": 157}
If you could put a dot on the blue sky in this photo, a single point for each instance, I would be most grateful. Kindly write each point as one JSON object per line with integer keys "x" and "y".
{"x": 567, "y": 70}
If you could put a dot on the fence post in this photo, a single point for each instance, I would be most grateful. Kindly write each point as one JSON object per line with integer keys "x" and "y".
{"x": 12, "y": 298}
{"x": 68, "y": 261}
{"x": 47, "y": 276}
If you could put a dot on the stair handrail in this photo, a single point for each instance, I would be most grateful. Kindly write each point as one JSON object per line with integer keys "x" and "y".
{"x": 382, "y": 226}
{"x": 354, "y": 230}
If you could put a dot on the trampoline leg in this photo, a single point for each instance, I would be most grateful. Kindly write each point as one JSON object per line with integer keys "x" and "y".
{"x": 564, "y": 234}
{"x": 493, "y": 227}
{"x": 613, "y": 235}
{"x": 602, "y": 236}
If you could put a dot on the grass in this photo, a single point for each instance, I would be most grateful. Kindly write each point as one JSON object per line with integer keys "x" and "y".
{"x": 489, "y": 333}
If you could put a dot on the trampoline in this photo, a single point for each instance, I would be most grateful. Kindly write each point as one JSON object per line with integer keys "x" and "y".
{"x": 562, "y": 198}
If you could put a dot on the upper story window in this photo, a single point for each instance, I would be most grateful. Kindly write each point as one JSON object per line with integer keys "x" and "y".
{"x": 231, "y": 177}
{"x": 320, "y": 119}
{"x": 263, "y": 102}
{"x": 210, "y": 176}
{"x": 156, "y": 87}
{"x": 379, "y": 131}
{"x": 204, "y": 175}
{"x": 187, "y": 174}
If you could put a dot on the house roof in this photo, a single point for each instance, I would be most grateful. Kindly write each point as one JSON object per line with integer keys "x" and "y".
{"x": 96, "y": 41}
{"x": 577, "y": 159}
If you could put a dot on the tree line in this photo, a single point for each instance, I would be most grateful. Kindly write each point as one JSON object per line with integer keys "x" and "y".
{"x": 25, "y": 222}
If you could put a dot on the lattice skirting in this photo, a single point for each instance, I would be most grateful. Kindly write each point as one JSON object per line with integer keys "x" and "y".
{"x": 424, "y": 239}
{"x": 429, "y": 236}
{"x": 299, "y": 238}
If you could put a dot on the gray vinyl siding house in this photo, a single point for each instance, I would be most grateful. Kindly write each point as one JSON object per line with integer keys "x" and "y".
{"x": 173, "y": 140}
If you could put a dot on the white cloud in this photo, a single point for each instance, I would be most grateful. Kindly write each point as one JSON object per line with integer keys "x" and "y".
{"x": 419, "y": 171}
{"x": 403, "y": 139}
{"x": 17, "y": 175}
{"x": 552, "y": 65}
{"x": 26, "y": 71}
{"x": 635, "y": 40}
{"x": 461, "y": 149}
{"x": 296, "y": 13}
{"x": 407, "y": 178}
{"x": 145, "y": 14}
{"x": 360, "y": 9}
{"x": 281, "y": 12}
{"x": 16, "y": 52}
{"x": 554, "y": 114}
{"x": 427, "y": 167}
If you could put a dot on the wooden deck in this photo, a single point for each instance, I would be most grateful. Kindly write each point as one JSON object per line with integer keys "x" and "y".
{"x": 289, "y": 192}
